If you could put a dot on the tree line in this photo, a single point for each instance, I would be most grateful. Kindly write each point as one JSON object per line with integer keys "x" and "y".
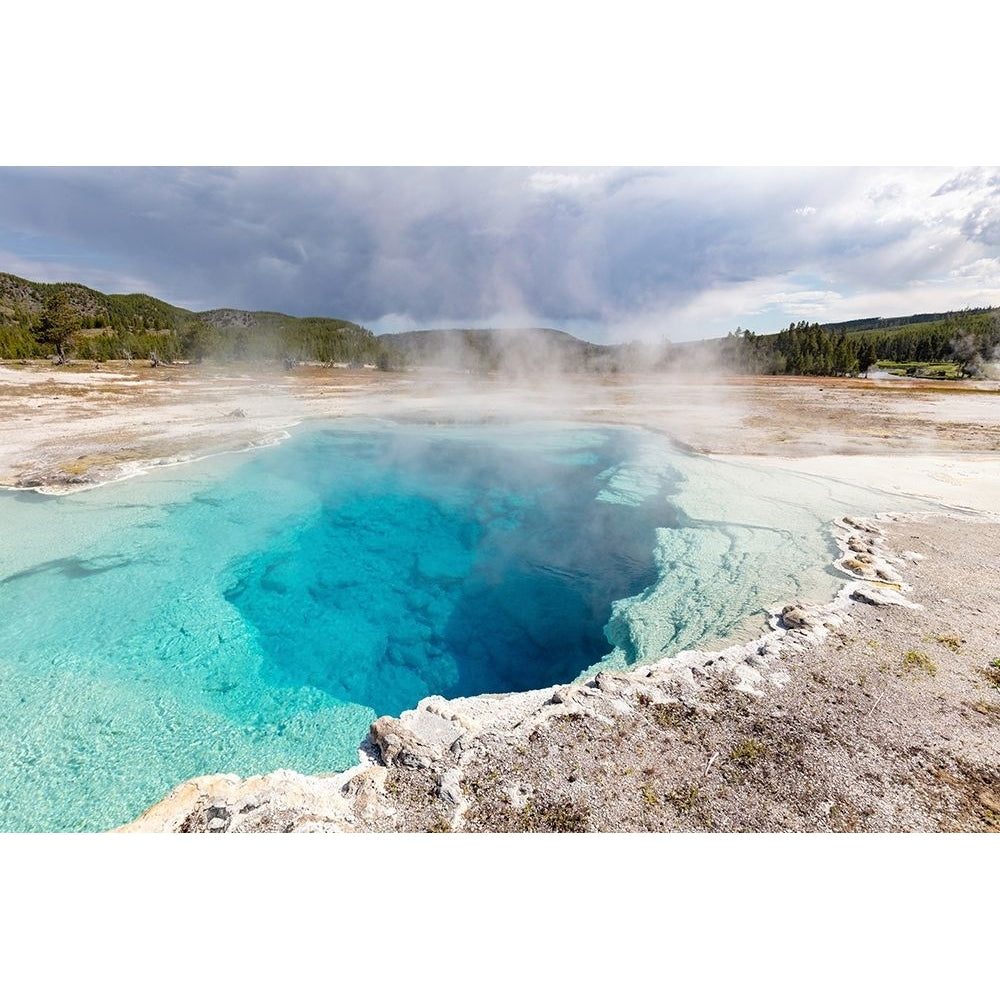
{"x": 967, "y": 339}
{"x": 41, "y": 320}
{"x": 74, "y": 321}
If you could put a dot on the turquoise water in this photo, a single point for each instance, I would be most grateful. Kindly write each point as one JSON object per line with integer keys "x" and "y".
{"x": 258, "y": 611}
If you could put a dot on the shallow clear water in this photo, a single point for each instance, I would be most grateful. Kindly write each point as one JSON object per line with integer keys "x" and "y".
{"x": 258, "y": 611}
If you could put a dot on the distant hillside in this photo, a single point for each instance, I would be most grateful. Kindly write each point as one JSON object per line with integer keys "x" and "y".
{"x": 66, "y": 319}
{"x": 25, "y": 300}
{"x": 527, "y": 351}
{"x": 239, "y": 333}
{"x": 125, "y": 326}
{"x": 945, "y": 345}
{"x": 894, "y": 322}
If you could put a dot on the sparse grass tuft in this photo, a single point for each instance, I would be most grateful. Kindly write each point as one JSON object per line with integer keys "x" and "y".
{"x": 992, "y": 673}
{"x": 671, "y": 715}
{"x": 553, "y": 817}
{"x": 649, "y": 794}
{"x": 683, "y": 798}
{"x": 984, "y": 708}
{"x": 747, "y": 753}
{"x": 950, "y": 639}
{"x": 913, "y": 660}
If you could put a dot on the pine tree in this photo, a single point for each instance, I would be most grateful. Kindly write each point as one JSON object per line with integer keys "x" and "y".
{"x": 866, "y": 356}
{"x": 60, "y": 322}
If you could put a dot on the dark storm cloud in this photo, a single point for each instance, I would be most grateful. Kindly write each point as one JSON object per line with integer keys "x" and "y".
{"x": 571, "y": 246}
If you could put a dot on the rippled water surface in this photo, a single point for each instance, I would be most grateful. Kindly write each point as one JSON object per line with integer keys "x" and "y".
{"x": 259, "y": 611}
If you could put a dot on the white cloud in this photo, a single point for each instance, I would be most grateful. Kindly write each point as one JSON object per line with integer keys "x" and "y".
{"x": 547, "y": 181}
{"x": 984, "y": 273}
{"x": 805, "y": 210}
{"x": 804, "y": 303}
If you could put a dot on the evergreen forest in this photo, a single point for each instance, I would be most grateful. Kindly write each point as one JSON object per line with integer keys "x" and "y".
{"x": 64, "y": 320}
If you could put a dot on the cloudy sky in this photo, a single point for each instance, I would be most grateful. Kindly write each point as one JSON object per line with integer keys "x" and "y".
{"x": 610, "y": 254}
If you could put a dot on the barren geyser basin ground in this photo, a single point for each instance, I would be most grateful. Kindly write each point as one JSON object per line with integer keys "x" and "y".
{"x": 762, "y": 648}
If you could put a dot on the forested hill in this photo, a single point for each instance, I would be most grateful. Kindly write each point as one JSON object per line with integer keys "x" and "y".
{"x": 38, "y": 320}
{"x": 894, "y": 322}
{"x": 528, "y": 351}
{"x": 941, "y": 345}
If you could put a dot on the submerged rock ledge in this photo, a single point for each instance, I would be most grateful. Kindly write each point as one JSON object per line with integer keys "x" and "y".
{"x": 827, "y": 722}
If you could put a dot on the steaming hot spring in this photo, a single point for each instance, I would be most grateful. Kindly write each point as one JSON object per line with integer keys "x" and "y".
{"x": 258, "y": 611}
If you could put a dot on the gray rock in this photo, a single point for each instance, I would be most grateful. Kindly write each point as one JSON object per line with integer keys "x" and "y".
{"x": 449, "y": 787}
{"x": 399, "y": 745}
{"x": 881, "y": 597}
{"x": 797, "y": 616}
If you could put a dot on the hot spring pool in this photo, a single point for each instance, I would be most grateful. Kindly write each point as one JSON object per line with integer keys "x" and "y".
{"x": 258, "y": 611}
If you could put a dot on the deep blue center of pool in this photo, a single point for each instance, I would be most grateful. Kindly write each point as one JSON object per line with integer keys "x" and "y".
{"x": 434, "y": 565}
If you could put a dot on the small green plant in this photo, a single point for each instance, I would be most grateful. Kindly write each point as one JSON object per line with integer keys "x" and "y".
{"x": 671, "y": 715}
{"x": 683, "y": 798}
{"x": 914, "y": 660}
{"x": 649, "y": 794}
{"x": 553, "y": 817}
{"x": 950, "y": 639}
{"x": 992, "y": 673}
{"x": 747, "y": 753}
